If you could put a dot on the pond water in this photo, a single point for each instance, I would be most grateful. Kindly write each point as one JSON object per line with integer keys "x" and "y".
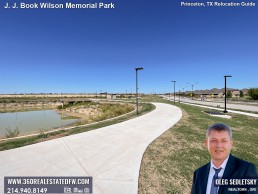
{"x": 32, "y": 121}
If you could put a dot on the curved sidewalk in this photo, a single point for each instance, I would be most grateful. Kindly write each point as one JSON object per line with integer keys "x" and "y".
{"x": 111, "y": 155}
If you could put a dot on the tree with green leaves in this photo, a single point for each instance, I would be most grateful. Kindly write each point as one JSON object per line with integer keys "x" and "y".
{"x": 253, "y": 93}
{"x": 241, "y": 94}
{"x": 229, "y": 94}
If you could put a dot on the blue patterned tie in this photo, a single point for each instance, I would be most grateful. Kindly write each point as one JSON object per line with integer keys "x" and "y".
{"x": 214, "y": 189}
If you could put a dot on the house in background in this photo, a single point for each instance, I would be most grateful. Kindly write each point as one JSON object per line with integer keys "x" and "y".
{"x": 216, "y": 93}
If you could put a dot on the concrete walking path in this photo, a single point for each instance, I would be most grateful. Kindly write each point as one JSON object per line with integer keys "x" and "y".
{"x": 111, "y": 155}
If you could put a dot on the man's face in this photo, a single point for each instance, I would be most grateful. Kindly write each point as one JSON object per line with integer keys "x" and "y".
{"x": 219, "y": 145}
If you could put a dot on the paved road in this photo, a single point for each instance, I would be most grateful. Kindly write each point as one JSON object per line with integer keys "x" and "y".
{"x": 111, "y": 155}
{"x": 246, "y": 107}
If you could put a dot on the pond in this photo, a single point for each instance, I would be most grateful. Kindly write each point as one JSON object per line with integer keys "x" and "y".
{"x": 32, "y": 121}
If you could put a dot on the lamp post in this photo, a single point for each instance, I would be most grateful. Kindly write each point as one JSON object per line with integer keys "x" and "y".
{"x": 192, "y": 87}
{"x": 174, "y": 90}
{"x": 137, "y": 69}
{"x": 225, "y": 76}
{"x": 179, "y": 95}
{"x": 183, "y": 89}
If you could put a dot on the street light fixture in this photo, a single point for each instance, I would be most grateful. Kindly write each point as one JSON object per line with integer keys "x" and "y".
{"x": 225, "y": 76}
{"x": 179, "y": 95}
{"x": 174, "y": 90}
{"x": 192, "y": 88}
{"x": 183, "y": 89}
{"x": 137, "y": 69}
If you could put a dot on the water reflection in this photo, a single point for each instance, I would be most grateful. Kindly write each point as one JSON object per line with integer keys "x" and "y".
{"x": 32, "y": 121}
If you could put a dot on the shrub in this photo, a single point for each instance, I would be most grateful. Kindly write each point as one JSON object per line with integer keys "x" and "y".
{"x": 43, "y": 134}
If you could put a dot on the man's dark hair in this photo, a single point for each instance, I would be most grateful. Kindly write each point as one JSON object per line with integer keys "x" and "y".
{"x": 219, "y": 127}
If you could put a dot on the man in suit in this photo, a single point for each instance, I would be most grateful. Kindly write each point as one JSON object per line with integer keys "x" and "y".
{"x": 223, "y": 164}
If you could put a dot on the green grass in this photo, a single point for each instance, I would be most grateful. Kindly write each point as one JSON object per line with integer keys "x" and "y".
{"x": 10, "y": 144}
{"x": 169, "y": 162}
{"x": 247, "y": 111}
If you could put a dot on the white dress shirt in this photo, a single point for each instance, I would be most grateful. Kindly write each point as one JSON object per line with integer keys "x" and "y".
{"x": 212, "y": 173}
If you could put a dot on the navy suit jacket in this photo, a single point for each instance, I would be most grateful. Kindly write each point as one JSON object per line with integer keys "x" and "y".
{"x": 235, "y": 168}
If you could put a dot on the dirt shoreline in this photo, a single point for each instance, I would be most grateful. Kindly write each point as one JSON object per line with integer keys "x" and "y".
{"x": 84, "y": 114}
{"x": 30, "y": 104}
{"x": 81, "y": 121}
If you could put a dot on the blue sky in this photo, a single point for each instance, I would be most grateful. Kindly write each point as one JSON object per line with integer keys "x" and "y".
{"x": 88, "y": 50}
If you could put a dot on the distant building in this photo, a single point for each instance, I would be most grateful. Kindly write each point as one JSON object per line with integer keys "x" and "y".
{"x": 235, "y": 93}
{"x": 216, "y": 93}
{"x": 245, "y": 91}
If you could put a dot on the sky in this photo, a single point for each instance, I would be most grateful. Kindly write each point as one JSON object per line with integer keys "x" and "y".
{"x": 93, "y": 50}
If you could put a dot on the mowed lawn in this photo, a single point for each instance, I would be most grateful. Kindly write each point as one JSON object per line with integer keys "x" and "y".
{"x": 169, "y": 162}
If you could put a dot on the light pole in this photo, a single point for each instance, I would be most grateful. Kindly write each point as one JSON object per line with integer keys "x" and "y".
{"x": 137, "y": 69}
{"x": 183, "y": 89}
{"x": 225, "y": 76}
{"x": 174, "y": 90}
{"x": 179, "y": 95}
{"x": 192, "y": 87}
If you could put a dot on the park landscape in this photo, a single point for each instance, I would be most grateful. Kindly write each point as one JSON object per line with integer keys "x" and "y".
{"x": 169, "y": 161}
{"x": 125, "y": 93}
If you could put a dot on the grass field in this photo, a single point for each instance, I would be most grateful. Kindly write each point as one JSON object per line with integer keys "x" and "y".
{"x": 169, "y": 162}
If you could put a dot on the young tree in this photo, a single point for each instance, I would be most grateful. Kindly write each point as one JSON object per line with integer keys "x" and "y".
{"x": 229, "y": 94}
{"x": 241, "y": 94}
